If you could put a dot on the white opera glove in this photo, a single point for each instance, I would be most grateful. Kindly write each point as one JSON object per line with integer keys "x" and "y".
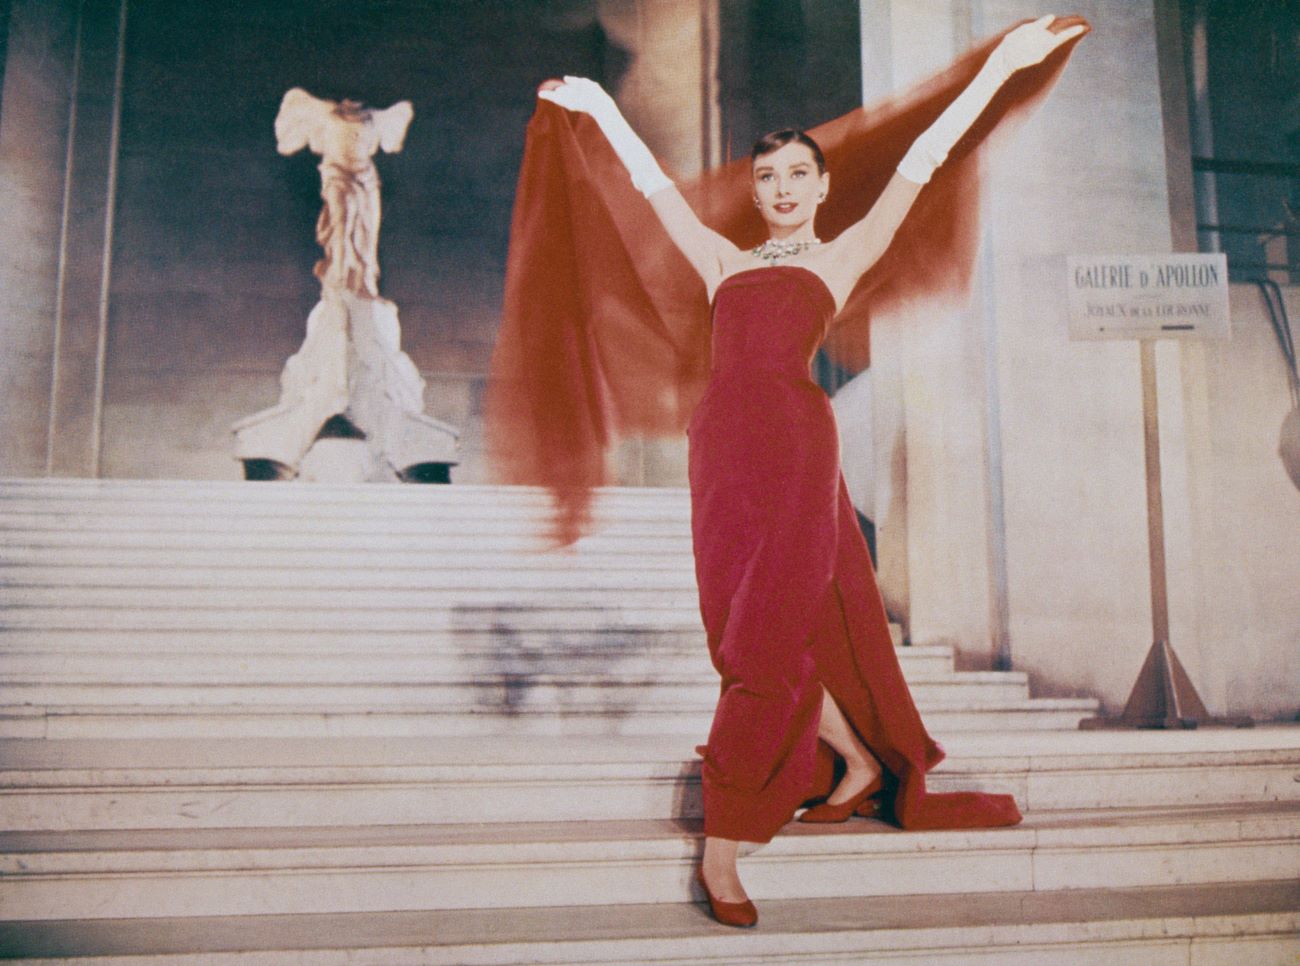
{"x": 588, "y": 97}
{"x": 1025, "y": 46}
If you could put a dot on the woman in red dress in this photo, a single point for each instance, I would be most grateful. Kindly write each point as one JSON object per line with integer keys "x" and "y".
{"x": 796, "y": 627}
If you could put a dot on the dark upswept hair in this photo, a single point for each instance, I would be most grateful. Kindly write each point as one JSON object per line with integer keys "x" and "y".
{"x": 776, "y": 140}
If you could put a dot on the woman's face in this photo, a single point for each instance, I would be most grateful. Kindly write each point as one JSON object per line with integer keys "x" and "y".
{"x": 788, "y": 187}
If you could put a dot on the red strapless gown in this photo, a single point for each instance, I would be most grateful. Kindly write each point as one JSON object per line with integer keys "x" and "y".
{"x": 787, "y": 592}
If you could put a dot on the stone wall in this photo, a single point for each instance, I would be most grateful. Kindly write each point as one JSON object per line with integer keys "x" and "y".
{"x": 132, "y": 359}
{"x": 1242, "y": 622}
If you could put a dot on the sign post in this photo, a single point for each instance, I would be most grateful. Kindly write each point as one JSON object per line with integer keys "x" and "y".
{"x": 1149, "y": 297}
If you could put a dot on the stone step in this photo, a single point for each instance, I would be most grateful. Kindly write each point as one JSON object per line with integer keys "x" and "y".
{"x": 571, "y": 595}
{"x": 604, "y": 718}
{"x": 239, "y": 492}
{"x": 378, "y": 666}
{"x": 504, "y": 617}
{"x": 250, "y": 544}
{"x": 500, "y": 686}
{"x": 1222, "y": 924}
{"x": 447, "y": 521}
{"x": 470, "y": 555}
{"x": 491, "y": 510}
{"x": 563, "y": 643}
{"x": 238, "y": 872}
{"x": 207, "y": 783}
{"x": 361, "y": 667}
{"x": 114, "y": 582}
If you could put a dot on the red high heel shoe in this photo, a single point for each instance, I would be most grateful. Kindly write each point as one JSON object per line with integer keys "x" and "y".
{"x": 742, "y": 915}
{"x": 860, "y": 804}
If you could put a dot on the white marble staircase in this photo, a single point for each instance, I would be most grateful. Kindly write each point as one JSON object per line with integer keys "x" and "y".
{"x": 266, "y": 723}
{"x": 136, "y": 609}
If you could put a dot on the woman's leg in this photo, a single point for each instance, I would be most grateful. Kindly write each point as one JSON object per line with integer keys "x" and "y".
{"x": 719, "y": 869}
{"x": 861, "y": 765}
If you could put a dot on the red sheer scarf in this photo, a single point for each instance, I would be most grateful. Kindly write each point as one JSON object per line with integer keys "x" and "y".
{"x": 604, "y": 332}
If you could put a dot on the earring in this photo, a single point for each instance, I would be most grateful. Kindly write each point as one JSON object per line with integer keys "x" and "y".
{"x": 757, "y": 203}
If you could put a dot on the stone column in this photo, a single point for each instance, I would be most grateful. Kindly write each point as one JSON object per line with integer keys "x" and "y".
{"x": 1009, "y": 488}
{"x": 930, "y": 475}
{"x": 669, "y": 95}
{"x": 58, "y": 124}
{"x": 40, "y": 52}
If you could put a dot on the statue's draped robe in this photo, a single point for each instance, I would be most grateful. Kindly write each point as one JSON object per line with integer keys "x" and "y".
{"x": 346, "y": 135}
{"x": 348, "y": 227}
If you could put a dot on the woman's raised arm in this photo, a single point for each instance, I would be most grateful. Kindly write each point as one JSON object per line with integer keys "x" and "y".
{"x": 703, "y": 247}
{"x": 862, "y": 244}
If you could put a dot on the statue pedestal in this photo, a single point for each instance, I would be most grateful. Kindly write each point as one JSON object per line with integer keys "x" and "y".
{"x": 351, "y": 405}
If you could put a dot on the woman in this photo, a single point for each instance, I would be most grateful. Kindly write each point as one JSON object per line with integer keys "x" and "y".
{"x": 795, "y": 624}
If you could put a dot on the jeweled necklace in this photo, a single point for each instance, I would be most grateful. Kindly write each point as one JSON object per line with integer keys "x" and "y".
{"x": 772, "y": 249}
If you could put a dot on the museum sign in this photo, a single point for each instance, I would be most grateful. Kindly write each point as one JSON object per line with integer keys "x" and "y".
{"x": 1148, "y": 296}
